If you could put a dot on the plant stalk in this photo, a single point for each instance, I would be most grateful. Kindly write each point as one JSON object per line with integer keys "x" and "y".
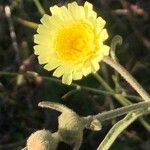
{"x": 39, "y": 7}
{"x": 128, "y": 77}
{"x": 121, "y": 111}
{"x": 118, "y": 128}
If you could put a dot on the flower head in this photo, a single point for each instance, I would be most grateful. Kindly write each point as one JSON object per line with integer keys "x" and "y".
{"x": 41, "y": 140}
{"x": 71, "y": 41}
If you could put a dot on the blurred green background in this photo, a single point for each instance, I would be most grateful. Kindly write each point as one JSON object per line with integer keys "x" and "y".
{"x": 20, "y": 93}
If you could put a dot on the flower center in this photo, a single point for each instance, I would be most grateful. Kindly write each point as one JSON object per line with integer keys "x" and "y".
{"x": 75, "y": 42}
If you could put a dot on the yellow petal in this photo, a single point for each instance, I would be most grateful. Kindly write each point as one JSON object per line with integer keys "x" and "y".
{"x": 95, "y": 66}
{"x": 67, "y": 78}
{"x": 56, "y": 10}
{"x": 63, "y": 69}
{"x": 86, "y": 69}
{"x": 100, "y": 23}
{"x": 51, "y": 22}
{"x": 61, "y": 12}
{"x": 59, "y": 71}
{"x": 40, "y": 50}
{"x": 46, "y": 20}
{"x": 105, "y": 50}
{"x": 81, "y": 12}
{"x": 54, "y": 63}
{"x": 88, "y": 6}
{"x": 42, "y": 39}
{"x": 103, "y": 35}
{"x": 42, "y": 30}
{"x": 43, "y": 60}
{"x": 77, "y": 12}
{"x": 77, "y": 75}
{"x": 89, "y": 13}
{"x": 72, "y": 8}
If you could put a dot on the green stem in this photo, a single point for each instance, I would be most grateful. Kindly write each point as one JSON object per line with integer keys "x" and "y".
{"x": 103, "y": 83}
{"x": 120, "y": 98}
{"x": 121, "y": 111}
{"x": 118, "y": 128}
{"x": 124, "y": 101}
{"x": 128, "y": 77}
{"x": 39, "y": 7}
{"x": 77, "y": 86}
{"x": 27, "y": 23}
{"x": 145, "y": 123}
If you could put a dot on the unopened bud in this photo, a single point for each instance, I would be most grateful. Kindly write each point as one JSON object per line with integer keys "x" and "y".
{"x": 41, "y": 140}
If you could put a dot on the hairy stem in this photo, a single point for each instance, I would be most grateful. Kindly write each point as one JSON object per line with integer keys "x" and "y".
{"x": 119, "y": 97}
{"x": 121, "y": 111}
{"x": 116, "y": 130}
{"x": 121, "y": 126}
{"x": 128, "y": 77}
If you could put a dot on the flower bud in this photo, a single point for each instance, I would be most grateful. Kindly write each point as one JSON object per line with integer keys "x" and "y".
{"x": 41, "y": 140}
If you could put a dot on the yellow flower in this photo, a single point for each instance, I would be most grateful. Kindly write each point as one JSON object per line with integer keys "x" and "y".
{"x": 71, "y": 41}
